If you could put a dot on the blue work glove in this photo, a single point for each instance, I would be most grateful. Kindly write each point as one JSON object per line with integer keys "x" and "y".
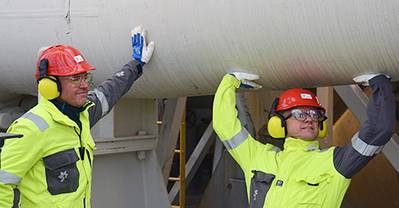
{"x": 246, "y": 80}
{"x": 141, "y": 51}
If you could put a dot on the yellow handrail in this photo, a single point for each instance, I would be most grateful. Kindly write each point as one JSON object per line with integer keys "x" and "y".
{"x": 182, "y": 193}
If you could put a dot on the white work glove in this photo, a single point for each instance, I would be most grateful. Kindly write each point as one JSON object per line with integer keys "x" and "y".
{"x": 365, "y": 78}
{"x": 246, "y": 80}
{"x": 141, "y": 51}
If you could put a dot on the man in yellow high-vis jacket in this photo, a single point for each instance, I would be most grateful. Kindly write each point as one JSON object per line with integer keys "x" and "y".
{"x": 51, "y": 165}
{"x": 300, "y": 175}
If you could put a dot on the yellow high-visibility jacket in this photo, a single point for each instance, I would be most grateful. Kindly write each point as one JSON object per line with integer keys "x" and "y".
{"x": 301, "y": 175}
{"x": 52, "y": 163}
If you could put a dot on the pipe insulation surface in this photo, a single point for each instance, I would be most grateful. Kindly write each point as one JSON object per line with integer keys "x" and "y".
{"x": 289, "y": 43}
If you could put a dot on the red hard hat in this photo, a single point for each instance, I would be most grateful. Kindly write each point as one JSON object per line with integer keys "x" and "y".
{"x": 298, "y": 97}
{"x": 63, "y": 60}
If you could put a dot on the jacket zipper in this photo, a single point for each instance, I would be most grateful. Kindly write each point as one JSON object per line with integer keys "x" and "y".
{"x": 81, "y": 148}
{"x": 82, "y": 154}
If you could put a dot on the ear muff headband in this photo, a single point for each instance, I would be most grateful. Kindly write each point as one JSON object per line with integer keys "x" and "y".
{"x": 323, "y": 128}
{"x": 43, "y": 65}
{"x": 276, "y": 124}
{"x": 49, "y": 86}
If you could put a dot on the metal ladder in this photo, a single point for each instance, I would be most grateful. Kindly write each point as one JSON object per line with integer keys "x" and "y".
{"x": 182, "y": 164}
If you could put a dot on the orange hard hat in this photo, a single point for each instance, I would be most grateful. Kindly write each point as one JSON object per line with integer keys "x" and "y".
{"x": 298, "y": 97}
{"x": 63, "y": 60}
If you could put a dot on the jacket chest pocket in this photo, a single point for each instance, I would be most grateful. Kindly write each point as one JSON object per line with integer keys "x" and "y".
{"x": 62, "y": 175}
{"x": 313, "y": 190}
{"x": 260, "y": 185}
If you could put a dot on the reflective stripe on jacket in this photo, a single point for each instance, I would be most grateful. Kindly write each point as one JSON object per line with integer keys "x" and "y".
{"x": 299, "y": 176}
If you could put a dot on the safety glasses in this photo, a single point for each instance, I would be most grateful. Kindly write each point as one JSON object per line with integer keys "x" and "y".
{"x": 78, "y": 78}
{"x": 302, "y": 114}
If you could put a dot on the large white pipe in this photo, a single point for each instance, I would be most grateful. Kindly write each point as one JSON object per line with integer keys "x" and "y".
{"x": 289, "y": 43}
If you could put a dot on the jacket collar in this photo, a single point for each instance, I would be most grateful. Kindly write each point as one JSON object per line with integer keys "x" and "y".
{"x": 57, "y": 115}
{"x": 297, "y": 144}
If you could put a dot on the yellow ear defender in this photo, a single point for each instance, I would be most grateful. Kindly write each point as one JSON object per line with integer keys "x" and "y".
{"x": 276, "y": 125}
{"x": 49, "y": 86}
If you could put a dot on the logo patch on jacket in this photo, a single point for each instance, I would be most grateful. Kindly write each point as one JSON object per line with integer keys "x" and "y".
{"x": 255, "y": 194}
{"x": 63, "y": 176}
{"x": 120, "y": 74}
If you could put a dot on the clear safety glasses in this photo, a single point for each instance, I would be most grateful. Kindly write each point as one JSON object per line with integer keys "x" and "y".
{"x": 302, "y": 114}
{"x": 78, "y": 78}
